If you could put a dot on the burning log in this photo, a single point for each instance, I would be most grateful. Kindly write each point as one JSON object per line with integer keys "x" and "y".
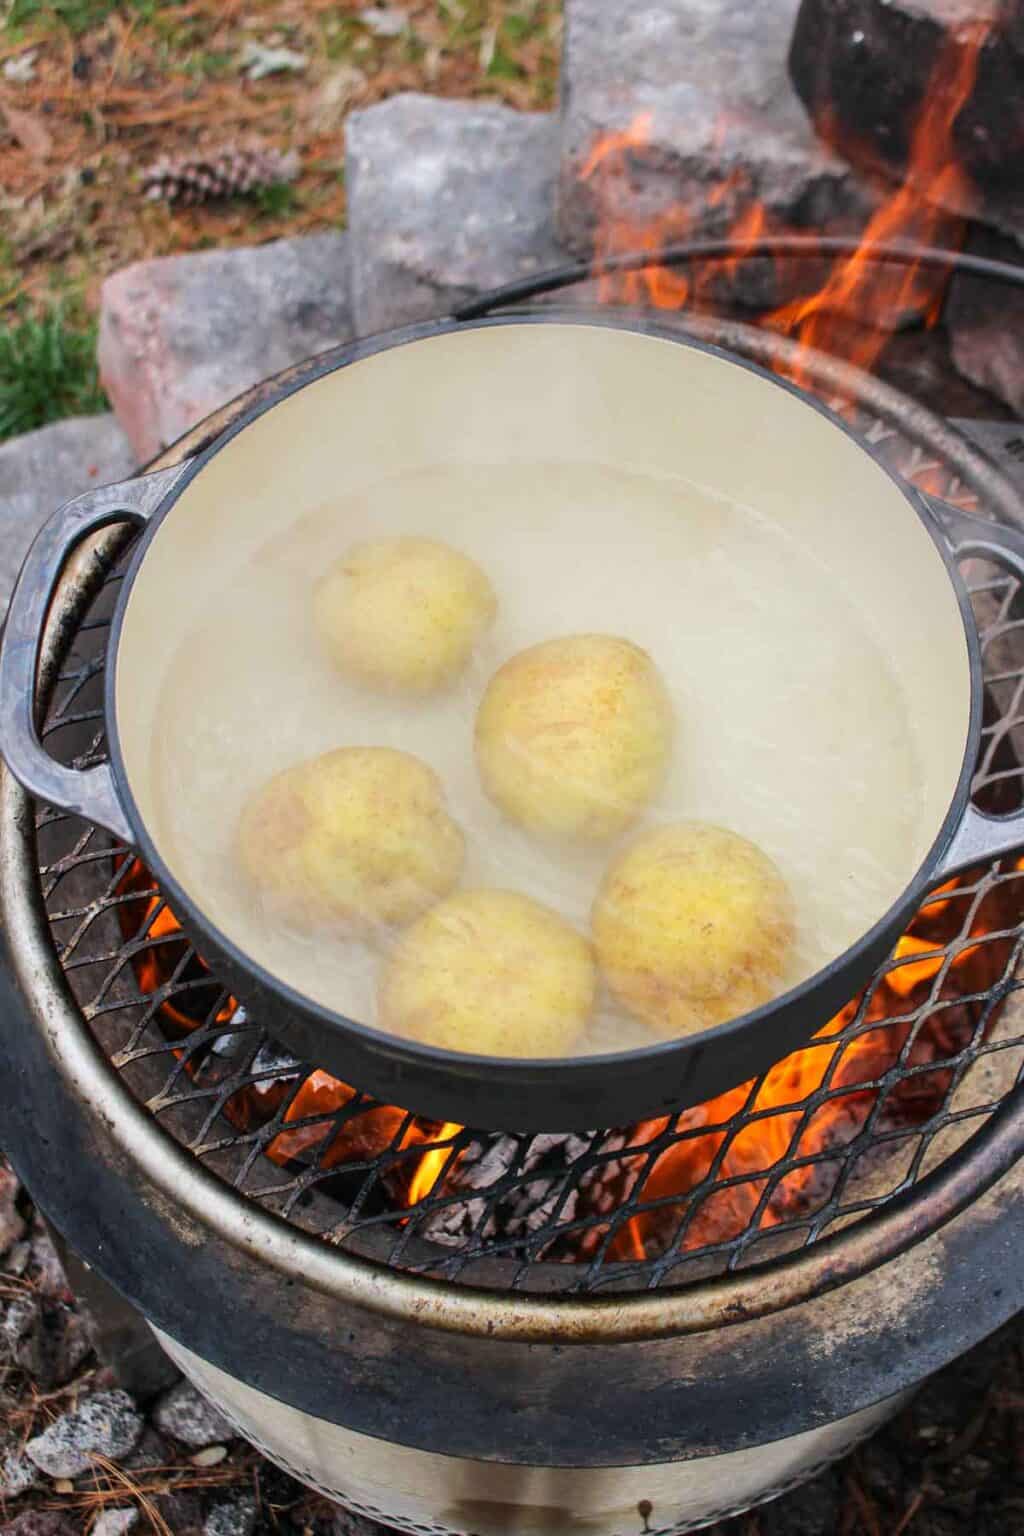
{"x": 986, "y": 324}
{"x": 641, "y": 193}
{"x": 866, "y": 71}
{"x": 695, "y": 99}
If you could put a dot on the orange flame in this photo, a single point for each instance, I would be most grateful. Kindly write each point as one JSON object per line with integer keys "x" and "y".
{"x": 361, "y": 1139}
{"x": 776, "y": 1125}
{"x": 156, "y": 963}
{"x": 856, "y": 287}
{"x": 432, "y": 1164}
{"x": 914, "y": 212}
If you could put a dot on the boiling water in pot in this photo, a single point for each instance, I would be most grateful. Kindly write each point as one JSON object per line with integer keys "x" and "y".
{"x": 791, "y": 726}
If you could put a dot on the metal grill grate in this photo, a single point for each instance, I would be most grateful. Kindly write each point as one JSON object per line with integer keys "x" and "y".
{"x": 887, "y": 1091}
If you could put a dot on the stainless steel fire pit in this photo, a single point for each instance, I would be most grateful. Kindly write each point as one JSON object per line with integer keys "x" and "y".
{"x": 454, "y": 1330}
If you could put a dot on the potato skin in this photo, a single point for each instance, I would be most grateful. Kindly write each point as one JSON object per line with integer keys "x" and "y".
{"x": 492, "y": 973}
{"x": 692, "y": 926}
{"x": 354, "y": 839}
{"x": 403, "y": 614}
{"x": 573, "y": 736}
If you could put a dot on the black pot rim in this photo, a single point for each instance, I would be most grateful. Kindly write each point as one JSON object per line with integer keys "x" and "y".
{"x": 515, "y": 1073}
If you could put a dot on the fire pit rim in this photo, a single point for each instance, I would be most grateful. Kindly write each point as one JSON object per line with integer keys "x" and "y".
{"x": 139, "y": 1218}
{"x": 694, "y": 1307}
{"x": 974, "y": 1287}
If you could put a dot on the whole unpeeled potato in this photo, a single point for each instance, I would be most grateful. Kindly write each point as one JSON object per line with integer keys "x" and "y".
{"x": 489, "y": 972}
{"x": 573, "y": 736}
{"x": 692, "y": 926}
{"x": 354, "y": 839}
{"x": 403, "y": 614}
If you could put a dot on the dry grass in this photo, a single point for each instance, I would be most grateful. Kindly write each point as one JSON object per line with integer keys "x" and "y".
{"x": 115, "y": 1487}
{"x": 115, "y": 86}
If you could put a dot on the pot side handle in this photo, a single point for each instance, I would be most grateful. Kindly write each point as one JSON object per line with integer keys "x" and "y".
{"x": 980, "y": 838}
{"x": 87, "y": 792}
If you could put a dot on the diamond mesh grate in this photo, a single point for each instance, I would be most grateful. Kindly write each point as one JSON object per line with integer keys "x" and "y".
{"x": 888, "y": 1090}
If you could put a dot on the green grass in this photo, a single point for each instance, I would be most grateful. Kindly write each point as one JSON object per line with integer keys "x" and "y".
{"x": 47, "y": 370}
{"x": 213, "y": 65}
{"x": 77, "y": 15}
{"x": 276, "y": 200}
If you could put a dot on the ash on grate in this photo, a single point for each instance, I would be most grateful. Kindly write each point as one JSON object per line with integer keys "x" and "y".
{"x": 519, "y": 1186}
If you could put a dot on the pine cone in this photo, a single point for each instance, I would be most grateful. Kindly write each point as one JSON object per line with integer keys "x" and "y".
{"x": 204, "y": 175}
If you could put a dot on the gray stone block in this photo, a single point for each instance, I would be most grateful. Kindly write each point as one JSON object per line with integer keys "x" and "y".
{"x": 719, "y": 123}
{"x": 184, "y": 1413}
{"x": 116, "y": 1522}
{"x": 985, "y": 321}
{"x": 183, "y": 335}
{"x": 39, "y": 1522}
{"x": 874, "y": 65}
{"x": 12, "y": 1225}
{"x": 42, "y": 470}
{"x": 104, "y": 1424}
{"x": 236, "y": 1518}
{"x": 446, "y": 199}
{"x": 17, "y": 1474}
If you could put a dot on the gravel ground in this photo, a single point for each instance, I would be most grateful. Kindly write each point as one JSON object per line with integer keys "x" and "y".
{"x": 79, "y": 1455}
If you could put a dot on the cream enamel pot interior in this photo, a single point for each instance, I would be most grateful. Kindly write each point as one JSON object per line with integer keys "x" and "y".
{"x": 494, "y": 398}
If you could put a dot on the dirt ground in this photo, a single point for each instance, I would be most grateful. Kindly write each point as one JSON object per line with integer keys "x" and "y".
{"x": 92, "y": 92}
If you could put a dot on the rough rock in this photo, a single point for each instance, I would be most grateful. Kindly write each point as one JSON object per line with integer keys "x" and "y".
{"x": 870, "y": 65}
{"x": 212, "y": 1456}
{"x": 39, "y": 1522}
{"x": 69, "y": 1342}
{"x": 446, "y": 199}
{"x": 237, "y": 1518}
{"x": 47, "y": 1340}
{"x": 985, "y": 321}
{"x": 17, "y": 1474}
{"x": 116, "y": 1522}
{"x": 920, "y": 364}
{"x": 1002, "y": 441}
{"x": 41, "y": 470}
{"x": 105, "y": 1424}
{"x": 152, "y": 1451}
{"x": 16, "y": 1260}
{"x": 185, "y": 1414}
{"x": 22, "y": 1340}
{"x": 12, "y": 1226}
{"x": 48, "y": 1271}
{"x": 182, "y": 335}
{"x": 700, "y": 89}
{"x": 181, "y": 1512}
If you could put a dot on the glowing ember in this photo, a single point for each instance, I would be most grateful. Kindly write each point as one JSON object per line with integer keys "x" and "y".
{"x": 360, "y": 1139}
{"x": 776, "y": 1125}
{"x": 156, "y": 964}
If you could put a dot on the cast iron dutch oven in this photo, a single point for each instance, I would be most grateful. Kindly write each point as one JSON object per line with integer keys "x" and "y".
{"x": 553, "y": 386}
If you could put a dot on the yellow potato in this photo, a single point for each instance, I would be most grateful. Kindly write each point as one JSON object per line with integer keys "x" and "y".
{"x": 692, "y": 925}
{"x": 573, "y": 736}
{"x": 489, "y": 972}
{"x": 354, "y": 839}
{"x": 403, "y": 614}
